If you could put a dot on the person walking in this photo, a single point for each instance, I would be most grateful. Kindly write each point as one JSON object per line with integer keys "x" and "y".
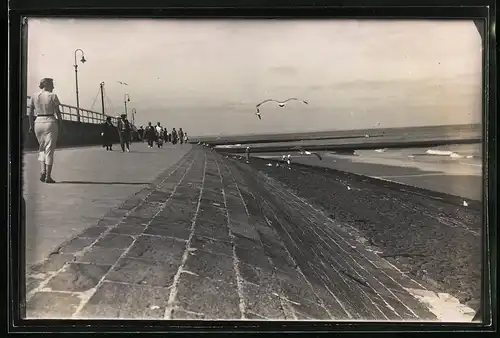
{"x": 181, "y": 136}
{"x": 124, "y": 132}
{"x": 108, "y": 130}
{"x": 46, "y": 121}
{"x": 174, "y": 136}
{"x": 140, "y": 132}
{"x": 159, "y": 135}
{"x": 149, "y": 135}
{"x": 186, "y": 138}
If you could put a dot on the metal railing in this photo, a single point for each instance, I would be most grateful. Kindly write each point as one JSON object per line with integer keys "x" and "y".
{"x": 69, "y": 113}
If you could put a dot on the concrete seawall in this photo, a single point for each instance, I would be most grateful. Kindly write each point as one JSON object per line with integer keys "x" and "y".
{"x": 76, "y": 134}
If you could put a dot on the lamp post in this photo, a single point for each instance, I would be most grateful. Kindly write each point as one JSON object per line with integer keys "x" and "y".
{"x": 134, "y": 111}
{"x": 82, "y": 60}
{"x": 102, "y": 97}
{"x": 126, "y": 98}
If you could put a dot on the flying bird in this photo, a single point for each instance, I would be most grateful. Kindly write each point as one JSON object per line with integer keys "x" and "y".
{"x": 305, "y": 152}
{"x": 281, "y": 104}
{"x": 258, "y": 114}
{"x": 123, "y": 83}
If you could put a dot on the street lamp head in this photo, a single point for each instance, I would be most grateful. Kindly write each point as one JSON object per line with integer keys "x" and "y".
{"x": 128, "y": 99}
{"x": 83, "y": 59}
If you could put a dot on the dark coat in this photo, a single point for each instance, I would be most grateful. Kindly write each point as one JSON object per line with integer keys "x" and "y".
{"x": 108, "y": 133}
{"x": 149, "y": 133}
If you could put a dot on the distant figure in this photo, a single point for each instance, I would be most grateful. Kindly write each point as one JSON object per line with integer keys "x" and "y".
{"x": 181, "y": 136}
{"x": 108, "y": 131}
{"x": 165, "y": 135}
{"x": 186, "y": 138}
{"x": 150, "y": 135}
{"x": 140, "y": 132}
{"x": 124, "y": 132}
{"x": 174, "y": 136}
{"x": 44, "y": 109}
{"x": 247, "y": 154}
{"x": 159, "y": 135}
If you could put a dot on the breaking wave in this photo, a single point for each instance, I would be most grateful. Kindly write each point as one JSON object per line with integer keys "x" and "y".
{"x": 451, "y": 154}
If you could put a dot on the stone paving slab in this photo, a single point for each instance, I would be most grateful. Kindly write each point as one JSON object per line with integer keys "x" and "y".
{"x": 214, "y": 240}
{"x": 91, "y": 181}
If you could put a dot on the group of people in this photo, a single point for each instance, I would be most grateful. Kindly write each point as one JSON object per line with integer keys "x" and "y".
{"x": 160, "y": 135}
{"x": 150, "y": 134}
{"x": 124, "y": 129}
{"x": 45, "y": 120}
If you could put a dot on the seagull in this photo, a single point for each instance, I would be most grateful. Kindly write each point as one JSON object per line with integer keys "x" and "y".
{"x": 281, "y": 104}
{"x": 258, "y": 114}
{"x": 305, "y": 152}
{"x": 287, "y": 159}
{"x": 123, "y": 83}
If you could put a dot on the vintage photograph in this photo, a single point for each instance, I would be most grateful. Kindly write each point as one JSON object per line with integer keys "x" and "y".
{"x": 253, "y": 169}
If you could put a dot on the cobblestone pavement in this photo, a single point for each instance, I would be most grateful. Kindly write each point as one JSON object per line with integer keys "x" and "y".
{"x": 216, "y": 240}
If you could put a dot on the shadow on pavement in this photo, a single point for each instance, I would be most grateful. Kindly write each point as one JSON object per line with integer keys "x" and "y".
{"x": 104, "y": 183}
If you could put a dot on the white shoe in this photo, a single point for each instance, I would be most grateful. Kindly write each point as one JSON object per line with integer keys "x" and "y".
{"x": 128, "y": 150}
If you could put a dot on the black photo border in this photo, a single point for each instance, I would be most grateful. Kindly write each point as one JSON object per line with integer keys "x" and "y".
{"x": 482, "y": 11}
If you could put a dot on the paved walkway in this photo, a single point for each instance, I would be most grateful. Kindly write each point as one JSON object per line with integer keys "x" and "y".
{"x": 91, "y": 181}
{"x": 215, "y": 240}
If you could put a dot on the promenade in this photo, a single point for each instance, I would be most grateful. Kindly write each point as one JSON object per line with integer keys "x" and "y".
{"x": 91, "y": 181}
{"x": 208, "y": 238}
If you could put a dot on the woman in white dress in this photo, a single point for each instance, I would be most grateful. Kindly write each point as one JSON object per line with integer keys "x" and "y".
{"x": 43, "y": 121}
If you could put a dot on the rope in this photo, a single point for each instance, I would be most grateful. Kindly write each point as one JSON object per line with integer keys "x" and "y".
{"x": 109, "y": 102}
{"x": 95, "y": 99}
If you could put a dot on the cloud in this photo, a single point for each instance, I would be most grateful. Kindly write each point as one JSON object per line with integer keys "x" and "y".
{"x": 283, "y": 70}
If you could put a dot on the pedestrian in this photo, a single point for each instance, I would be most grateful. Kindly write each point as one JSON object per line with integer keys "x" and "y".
{"x": 108, "y": 130}
{"x": 159, "y": 135}
{"x": 174, "y": 136}
{"x": 124, "y": 132}
{"x": 149, "y": 135}
{"x": 141, "y": 133}
{"x": 186, "y": 138}
{"x": 181, "y": 136}
{"x": 165, "y": 135}
{"x": 46, "y": 121}
{"x": 247, "y": 154}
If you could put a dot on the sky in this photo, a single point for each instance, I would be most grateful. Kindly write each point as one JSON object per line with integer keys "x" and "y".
{"x": 207, "y": 76}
